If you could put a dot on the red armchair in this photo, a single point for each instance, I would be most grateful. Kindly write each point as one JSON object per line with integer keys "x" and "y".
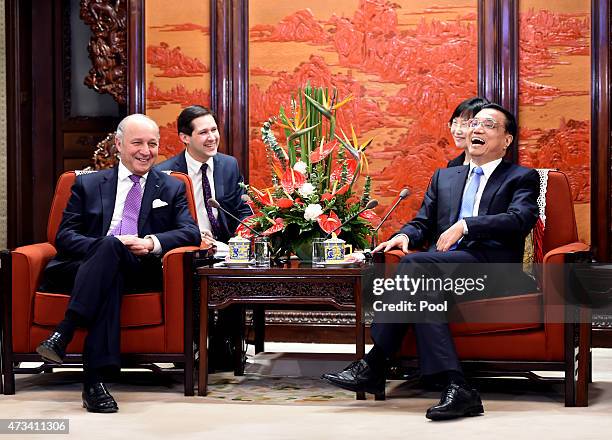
{"x": 543, "y": 342}
{"x": 155, "y": 326}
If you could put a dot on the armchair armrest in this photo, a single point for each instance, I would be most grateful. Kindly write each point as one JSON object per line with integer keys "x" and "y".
{"x": 554, "y": 284}
{"x": 173, "y": 296}
{"x": 28, "y": 263}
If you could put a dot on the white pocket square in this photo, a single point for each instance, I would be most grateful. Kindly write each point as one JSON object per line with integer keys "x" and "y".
{"x": 158, "y": 203}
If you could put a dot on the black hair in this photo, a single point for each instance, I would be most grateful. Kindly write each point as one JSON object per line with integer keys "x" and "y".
{"x": 183, "y": 122}
{"x": 468, "y": 108}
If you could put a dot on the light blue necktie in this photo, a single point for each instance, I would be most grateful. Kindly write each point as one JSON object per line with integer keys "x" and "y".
{"x": 469, "y": 197}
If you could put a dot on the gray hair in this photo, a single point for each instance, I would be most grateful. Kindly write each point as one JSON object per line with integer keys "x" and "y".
{"x": 132, "y": 118}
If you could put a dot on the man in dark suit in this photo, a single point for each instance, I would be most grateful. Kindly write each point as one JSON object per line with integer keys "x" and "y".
{"x": 477, "y": 213}
{"x": 213, "y": 174}
{"x": 117, "y": 224}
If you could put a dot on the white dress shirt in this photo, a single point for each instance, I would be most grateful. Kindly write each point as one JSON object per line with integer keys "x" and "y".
{"x": 194, "y": 169}
{"x": 124, "y": 183}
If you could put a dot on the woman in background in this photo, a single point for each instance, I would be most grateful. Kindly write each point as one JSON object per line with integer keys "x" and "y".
{"x": 458, "y": 127}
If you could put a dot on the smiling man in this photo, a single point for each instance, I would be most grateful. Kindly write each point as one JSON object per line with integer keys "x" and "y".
{"x": 476, "y": 213}
{"x": 214, "y": 175}
{"x": 116, "y": 226}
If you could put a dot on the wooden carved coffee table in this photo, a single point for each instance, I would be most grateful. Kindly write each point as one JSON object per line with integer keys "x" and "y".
{"x": 292, "y": 284}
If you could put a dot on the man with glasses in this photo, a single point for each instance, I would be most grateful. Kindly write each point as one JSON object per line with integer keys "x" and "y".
{"x": 477, "y": 213}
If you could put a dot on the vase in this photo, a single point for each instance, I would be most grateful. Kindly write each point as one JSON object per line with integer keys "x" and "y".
{"x": 303, "y": 250}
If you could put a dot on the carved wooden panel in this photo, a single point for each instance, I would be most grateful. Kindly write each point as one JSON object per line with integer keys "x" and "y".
{"x": 221, "y": 291}
{"x": 107, "y": 46}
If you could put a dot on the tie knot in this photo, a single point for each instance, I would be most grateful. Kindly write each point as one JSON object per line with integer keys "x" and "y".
{"x": 478, "y": 171}
{"x": 204, "y": 167}
{"x": 134, "y": 178}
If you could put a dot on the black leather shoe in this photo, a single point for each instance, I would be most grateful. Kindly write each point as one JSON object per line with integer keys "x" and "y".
{"x": 97, "y": 399}
{"x": 358, "y": 376}
{"x": 456, "y": 401}
{"x": 53, "y": 349}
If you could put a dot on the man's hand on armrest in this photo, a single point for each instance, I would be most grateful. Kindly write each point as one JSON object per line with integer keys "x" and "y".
{"x": 451, "y": 236}
{"x": 399, "y": 241}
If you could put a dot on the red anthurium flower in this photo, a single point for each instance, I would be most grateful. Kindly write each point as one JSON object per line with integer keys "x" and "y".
{"x": 322, "y": 151}
{"x": 244, "y": 231}
{"x": 284, "y": 203}
{"x": 279, "y": 224}
{"x": 351, "y": 165}
{"x": 329, "y": 222}
{"x": 352, "y": 200}
{"x": 370, "y": 216}
{"x": 292, "y": 179}
{"x": 327, "y": 197}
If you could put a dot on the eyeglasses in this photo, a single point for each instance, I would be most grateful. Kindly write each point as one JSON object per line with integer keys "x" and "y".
{"x": 486, "y": 123}
{"x": 458, "y": 123}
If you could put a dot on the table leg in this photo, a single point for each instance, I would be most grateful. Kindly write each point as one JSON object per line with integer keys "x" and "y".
{"x": 359, "y": 328}
{"x": 203, "y": 363}
{"x": 259, "y": 327}
{"x": 238, "y": 342}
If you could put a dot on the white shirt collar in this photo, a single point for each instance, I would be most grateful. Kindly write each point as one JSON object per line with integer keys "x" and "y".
{"x": 487, "y": 168}
{"x": 194, "y": 166}
{"x": 124, "y": 173}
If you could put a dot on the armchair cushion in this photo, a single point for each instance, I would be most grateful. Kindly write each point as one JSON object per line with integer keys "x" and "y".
{"x": 137, "y": 309}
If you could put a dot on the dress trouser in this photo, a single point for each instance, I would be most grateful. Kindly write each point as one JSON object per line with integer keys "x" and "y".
{"x": 97, "y": 283}
{"x": 435, "y": 346}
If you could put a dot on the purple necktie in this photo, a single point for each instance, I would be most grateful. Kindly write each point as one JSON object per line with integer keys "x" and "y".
{"x": 214, "y": 223}
{"x": 129, "y": 218}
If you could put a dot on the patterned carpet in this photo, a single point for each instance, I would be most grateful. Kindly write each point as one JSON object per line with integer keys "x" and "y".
{"x": 274, "y": 390}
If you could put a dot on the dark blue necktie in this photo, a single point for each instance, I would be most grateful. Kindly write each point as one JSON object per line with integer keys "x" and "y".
{"x": 214, "y": 223}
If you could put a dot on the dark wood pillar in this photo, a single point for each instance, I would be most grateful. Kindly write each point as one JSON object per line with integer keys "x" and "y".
{"x": 601, "y": 163}
{"x": 498, "y": 55}
{"x": 229, "y": 76}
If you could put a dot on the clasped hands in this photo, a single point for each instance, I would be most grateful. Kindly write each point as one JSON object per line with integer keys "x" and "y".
{"x": 448, "y": 238}
{"x": 136, "y": 245}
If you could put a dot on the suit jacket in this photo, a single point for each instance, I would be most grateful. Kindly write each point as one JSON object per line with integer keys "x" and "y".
{"x": 228, "y": 192}
{"x": 457, "y": 161}
{"x": 90, "y": 208}
{"x": 507, "y": 212}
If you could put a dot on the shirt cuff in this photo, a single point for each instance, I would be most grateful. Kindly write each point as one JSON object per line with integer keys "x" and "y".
{"x": 404, "y": 235}
{"x": 157, "y": 249}
{"x": 465, "y": 228}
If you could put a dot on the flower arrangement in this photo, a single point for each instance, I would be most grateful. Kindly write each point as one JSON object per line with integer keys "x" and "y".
{"x": 313, "y": 178}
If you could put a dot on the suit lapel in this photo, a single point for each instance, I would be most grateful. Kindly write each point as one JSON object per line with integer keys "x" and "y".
{"x": 108, "y": 193}
{"x": 492, "y": 186}
{"x": 457, "y": 185}
{"x": 151, "y": 192}
{"x": 180, "y": 164}
{"x": 218, "y": 178}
